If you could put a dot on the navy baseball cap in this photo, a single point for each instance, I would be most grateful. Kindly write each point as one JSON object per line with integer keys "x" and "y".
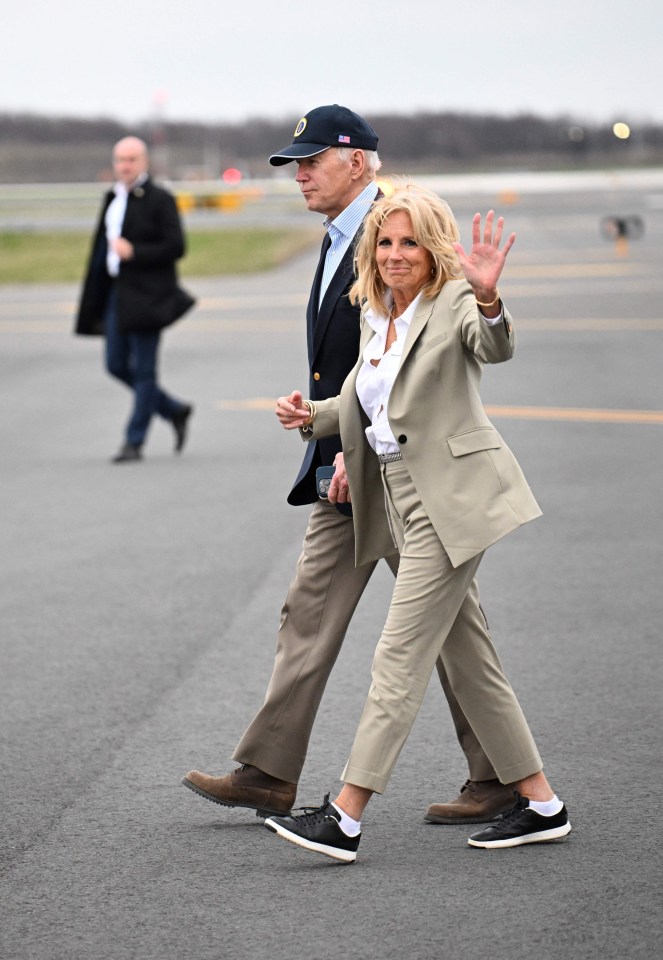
{"x": 325, "y": 127}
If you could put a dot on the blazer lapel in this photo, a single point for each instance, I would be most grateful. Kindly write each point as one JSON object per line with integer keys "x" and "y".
{"x": 417, "y": 324}
{"x": 312, "y": 308}
{"x": 335, "y": 289}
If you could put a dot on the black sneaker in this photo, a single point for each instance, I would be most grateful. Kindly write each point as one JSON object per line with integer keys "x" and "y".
{"x": 522, "y": 825}
{"x": 317, "y": 829}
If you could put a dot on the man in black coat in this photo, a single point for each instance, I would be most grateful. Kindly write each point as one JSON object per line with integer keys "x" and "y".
{"x": 337, "y": 159}
{"x": 131, "y": 293}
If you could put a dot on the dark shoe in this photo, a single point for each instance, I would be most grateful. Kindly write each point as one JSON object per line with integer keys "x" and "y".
{"x": 522, "y": 825}
{"x": 318, "y": 830}
{"x": 128, "y": 454}
{"x": 479, "y": 801}
{"x": 180, "y": 426}
{"x": 245, "y": 787}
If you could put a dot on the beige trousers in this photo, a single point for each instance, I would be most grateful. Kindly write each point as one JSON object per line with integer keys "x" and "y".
{"x": 434, "y": 614}
{"x": 317, "y": 611}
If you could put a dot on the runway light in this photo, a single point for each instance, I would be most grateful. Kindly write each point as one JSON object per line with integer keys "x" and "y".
{"x": 508, "y": 196}
{"x": 386, "y": 186}
{"x": 621, "y": 130}
{"x": 231, "y": 175}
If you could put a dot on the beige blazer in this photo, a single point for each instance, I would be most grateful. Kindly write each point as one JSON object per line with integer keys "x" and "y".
{"x": 468, "y": 479}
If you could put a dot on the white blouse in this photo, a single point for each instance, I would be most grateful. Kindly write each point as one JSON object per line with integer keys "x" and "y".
{"x": 374, "y": 383}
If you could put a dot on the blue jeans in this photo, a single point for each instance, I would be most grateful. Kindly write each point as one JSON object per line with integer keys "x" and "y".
{"x": 132, "y": 358}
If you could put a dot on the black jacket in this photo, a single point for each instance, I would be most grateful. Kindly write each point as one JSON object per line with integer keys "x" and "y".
{"x": 148, "y": 293}
{"x": 333, "y": 347}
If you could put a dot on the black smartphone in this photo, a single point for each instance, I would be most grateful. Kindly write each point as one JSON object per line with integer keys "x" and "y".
{"x": 323, "y": 478}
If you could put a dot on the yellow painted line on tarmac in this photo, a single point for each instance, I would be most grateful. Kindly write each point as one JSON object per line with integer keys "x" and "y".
{"x": 244, "y": 326}
{"x": 552, "y": 291}
{"x": 249, "y": 403}
{"x": 588, "y": 324}
{"x": 575, "y": 414}
{"x": 36, "y": 326}
{"x": 253, "y": 302}
{"x": 190, "y": 326}
{"x": 596, "y": 254}
{"x": 611, "y": 269}
{"x": 19, "y": 308}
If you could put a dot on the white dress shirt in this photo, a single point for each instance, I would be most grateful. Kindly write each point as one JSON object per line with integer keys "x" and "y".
{"x": 114, "y": 219}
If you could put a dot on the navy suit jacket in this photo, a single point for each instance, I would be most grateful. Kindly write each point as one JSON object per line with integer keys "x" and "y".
{"x": 333, "y": 345}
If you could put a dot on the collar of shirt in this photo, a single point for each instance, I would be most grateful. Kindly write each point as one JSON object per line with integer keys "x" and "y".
{"x": 122, "y": 190}
{"x": 348, "y": 221}
{"x": 380, "y": 321}
{"x": 342, "y": 230}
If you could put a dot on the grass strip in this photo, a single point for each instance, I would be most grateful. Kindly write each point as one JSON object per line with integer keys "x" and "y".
{"x": 61, "y": 257}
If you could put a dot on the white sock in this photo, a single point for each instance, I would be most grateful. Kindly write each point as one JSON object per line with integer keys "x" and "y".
{"x": 547, "y": 808}
{"x": 350, "y": 827}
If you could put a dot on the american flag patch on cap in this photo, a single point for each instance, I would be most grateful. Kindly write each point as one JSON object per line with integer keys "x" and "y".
{"x": 343, "y": 139}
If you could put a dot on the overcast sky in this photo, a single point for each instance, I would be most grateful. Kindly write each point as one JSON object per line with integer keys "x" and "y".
{"x": 229, "y": 60}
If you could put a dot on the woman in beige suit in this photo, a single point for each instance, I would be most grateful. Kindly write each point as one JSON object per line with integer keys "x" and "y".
{"x": 427, "y": 470}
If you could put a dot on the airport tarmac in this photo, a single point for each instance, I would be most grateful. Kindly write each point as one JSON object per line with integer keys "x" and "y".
{"x": 140, "y": 605}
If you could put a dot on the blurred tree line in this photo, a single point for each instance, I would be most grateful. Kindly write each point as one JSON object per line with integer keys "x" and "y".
{"x": 38, "y": 149}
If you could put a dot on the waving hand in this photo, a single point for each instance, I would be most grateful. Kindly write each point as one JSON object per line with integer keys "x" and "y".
{"x": 484, "y": 263}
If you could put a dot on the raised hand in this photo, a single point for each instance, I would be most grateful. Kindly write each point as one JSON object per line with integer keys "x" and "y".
{"x": 484, "y": 263}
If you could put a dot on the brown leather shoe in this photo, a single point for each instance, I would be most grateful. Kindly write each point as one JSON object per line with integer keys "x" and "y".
{"x": 479, "y": 801}
{"x": 245, "y": 787}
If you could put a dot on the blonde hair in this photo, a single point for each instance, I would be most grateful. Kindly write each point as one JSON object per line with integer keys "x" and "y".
{"x": 434, "y": 228}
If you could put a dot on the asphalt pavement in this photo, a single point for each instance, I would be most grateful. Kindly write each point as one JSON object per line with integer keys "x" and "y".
{"x": 140, "y": 604}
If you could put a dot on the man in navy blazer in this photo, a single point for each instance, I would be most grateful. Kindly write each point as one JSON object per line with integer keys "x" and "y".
{"x": 131, "y": 293}
{"x": 332, "y": 336}
{"x": 336, "y": 153}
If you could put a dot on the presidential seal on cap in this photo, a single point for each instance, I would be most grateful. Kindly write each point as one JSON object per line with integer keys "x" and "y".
{"x": 325, "y": 127}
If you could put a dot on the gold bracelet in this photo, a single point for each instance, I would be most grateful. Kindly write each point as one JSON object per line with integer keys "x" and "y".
{"x": 492, "y": 302}
{"x": 312, "y": 412}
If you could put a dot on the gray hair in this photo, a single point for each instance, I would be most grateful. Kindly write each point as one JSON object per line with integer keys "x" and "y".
{"x": 373, "y": 162}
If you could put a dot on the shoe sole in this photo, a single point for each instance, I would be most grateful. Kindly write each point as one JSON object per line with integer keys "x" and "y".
{"x": 486, "y": 818}
{"x": 543, "y": 836}
{"x": 345, "y": 856}
{"x": 262, "y": 812}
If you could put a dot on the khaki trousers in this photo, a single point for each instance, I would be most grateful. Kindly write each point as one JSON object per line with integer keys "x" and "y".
{"x": 434, "y": 614}
{"x": 317, "y": 611}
